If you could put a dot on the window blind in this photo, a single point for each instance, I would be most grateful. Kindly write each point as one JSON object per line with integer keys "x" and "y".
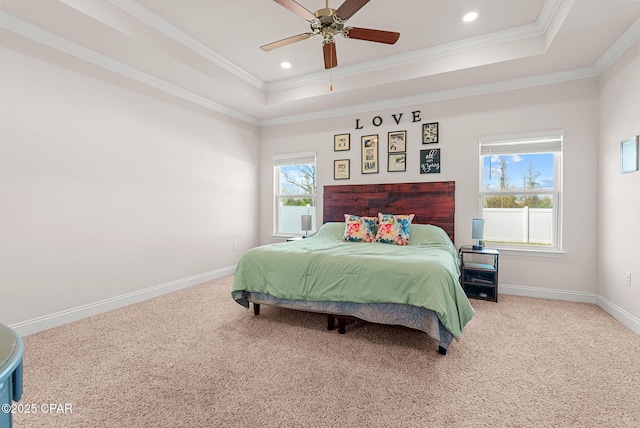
{"x": 533, "y": 143}
{"x": 294, "y": 159}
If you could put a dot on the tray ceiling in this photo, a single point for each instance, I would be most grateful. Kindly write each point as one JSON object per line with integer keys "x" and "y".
{"x": 207, "y": 51}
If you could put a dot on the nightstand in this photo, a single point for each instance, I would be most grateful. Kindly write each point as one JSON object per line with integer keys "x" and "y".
{"x": 479, "y": 272}
{"x": 295, "y": 238}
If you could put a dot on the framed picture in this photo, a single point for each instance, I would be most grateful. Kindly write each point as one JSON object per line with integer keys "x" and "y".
{"x": 341, "y": 169}
{"x": 430, "y": 161}
{"x": 629, "y": 154}
{"x": 397, "y": 162}
{"x": 397, "y": 141}
{"x": 341, "y": 142}
{"x": 369, "y": 154}
{"x": 430, "y": 133}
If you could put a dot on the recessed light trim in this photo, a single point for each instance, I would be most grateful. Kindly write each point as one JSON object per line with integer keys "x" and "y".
{"x": 285, "y": 64}
{"x": 470, "y": 17}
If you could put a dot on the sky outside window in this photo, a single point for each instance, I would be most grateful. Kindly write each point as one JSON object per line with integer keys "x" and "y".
{"x": 517, "y": 167}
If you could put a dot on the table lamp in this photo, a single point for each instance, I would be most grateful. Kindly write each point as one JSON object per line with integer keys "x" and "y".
{"x": 477, "y": 232}
{"x": 306, "y": 224}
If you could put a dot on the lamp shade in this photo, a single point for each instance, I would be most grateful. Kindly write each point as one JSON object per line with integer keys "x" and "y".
{"x": 306, "y": 222}
{"x": 477, "y": 228}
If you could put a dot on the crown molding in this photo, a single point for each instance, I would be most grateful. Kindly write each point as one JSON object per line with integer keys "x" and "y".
{"x": 620, "y": 46}
{"x": 145, "y": 15}
{"x": 425, "y": 54}
{"x": 629, "y": 37}
{"x": 525, "y": 31}
{"x": 37, "y": 34}
{"x": 548, "y": 13}
{"x": 489, "y": 88}
{"x": 536, "y": 29}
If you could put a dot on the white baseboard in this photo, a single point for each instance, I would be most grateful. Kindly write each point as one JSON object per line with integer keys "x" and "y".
{"x": 59, "y": 318}
{"x": 620, "y": 314}
{"x": 547, "y": 293}
{"x": 612, "y": 309}
{"x": 74, "y": 314}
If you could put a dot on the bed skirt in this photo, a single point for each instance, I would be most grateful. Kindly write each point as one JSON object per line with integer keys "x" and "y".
{"x": 413, "y": 317}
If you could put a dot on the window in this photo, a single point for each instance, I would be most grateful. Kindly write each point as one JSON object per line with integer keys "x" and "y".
{"x": 521, "y": 190}
{"x": 295, "y": 192}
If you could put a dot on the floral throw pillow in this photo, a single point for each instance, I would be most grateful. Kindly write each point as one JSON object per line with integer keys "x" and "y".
{"x": 394, "y": 229}
{"x": 359, "y": 229}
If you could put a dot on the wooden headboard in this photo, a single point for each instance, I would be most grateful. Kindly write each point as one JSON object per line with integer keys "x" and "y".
{"x": 432, "y": 203}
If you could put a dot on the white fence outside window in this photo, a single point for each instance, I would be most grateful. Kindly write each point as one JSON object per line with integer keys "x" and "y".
{"x": 291, "y": 219}
{"x": 519, "y": 225}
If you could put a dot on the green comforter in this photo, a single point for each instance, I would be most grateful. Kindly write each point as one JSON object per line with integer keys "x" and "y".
{"x": 322, "y": 267}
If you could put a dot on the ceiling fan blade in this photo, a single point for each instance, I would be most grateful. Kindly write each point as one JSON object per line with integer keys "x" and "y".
{"x": 379, "y": 36}
{"x": 296, "y": 8}
{"x": 285, "y": 42}
{"x": 349, "y": 7}
{"x": 330, "y": 56}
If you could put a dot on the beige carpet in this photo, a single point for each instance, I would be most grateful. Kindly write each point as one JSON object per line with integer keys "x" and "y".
{"x": 195, "y": 358}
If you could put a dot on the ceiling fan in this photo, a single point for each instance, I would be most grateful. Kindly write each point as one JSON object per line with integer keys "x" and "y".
{"x": 328, "y": 23}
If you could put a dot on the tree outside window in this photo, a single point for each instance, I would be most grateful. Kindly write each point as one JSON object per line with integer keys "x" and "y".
{"x": 520, "y": 192}
{"x": 295, "y": 191}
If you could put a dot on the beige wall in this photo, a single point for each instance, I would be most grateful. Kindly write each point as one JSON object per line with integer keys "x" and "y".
{"x": 107, "y": 191}
{"x": 619, "y": 222}
{"x": 572, "y": 106}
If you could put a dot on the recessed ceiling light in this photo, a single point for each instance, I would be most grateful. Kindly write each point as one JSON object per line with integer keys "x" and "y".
{"x": 285, "y": 64}
{"x": 469, "y": 17}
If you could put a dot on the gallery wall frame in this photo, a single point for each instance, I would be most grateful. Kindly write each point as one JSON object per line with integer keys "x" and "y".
{"x": 397, "y": 142}
{"x": 430, "y": 161}
{"x": 341, "y": 142}
{"x": 629, "y": 154}
{"x": 341, "y": 169}
{"x": 397, "y": 162}
{"x": 430, "y": 133}
{"x": 369, "y": 154}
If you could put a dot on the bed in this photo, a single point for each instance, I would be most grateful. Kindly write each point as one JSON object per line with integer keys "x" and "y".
{"x": 414, "y": 285}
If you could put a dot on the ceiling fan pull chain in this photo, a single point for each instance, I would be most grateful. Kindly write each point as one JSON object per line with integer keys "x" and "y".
{"x": 331, "y": 72}
{"x": 331, "y": 80}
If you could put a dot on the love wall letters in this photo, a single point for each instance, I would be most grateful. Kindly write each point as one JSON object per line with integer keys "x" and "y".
{"x": 397, "y": 117}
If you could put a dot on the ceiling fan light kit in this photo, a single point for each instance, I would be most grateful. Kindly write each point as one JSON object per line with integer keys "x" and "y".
{"x": 328, "y": 23}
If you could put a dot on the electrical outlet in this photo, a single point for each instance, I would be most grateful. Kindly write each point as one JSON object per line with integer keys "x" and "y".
{"x": 627, "y": 279}
{"x": 235, "y": 246}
